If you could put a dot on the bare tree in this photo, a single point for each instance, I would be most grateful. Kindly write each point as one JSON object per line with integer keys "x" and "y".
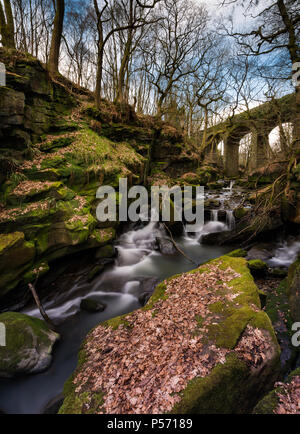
{"x": 7, "y": 26}
{"x": 56, "y": 36}
{"x": 276, "y": 31}
{"x": 171, "y": 52}
{"x": 133, "y": 23}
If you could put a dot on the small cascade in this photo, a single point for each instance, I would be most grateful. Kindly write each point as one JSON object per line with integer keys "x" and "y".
{"x": 230, "y": 220}
{"x": 285, "y": 254}
{"x": 215, "y": 215}
{"x": 231, "y": 185}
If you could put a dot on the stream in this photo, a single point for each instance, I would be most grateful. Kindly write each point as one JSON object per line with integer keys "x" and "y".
{"x": 137, "y": 269}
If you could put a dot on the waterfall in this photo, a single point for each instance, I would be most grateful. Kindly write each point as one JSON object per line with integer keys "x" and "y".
{"x": 230, "y": 220}
{"x": 214, "y": 215}
{"x": 231, "y": 185}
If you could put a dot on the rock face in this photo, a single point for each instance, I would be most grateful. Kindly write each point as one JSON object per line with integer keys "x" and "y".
{"x": 16, "y": 255}
{"x": 31, "y": 104}
{"x": 293, "y": 289}
{"x": 50, "y": 170}
{"x": 29, "y": 344}
{"x": 202, "y": 344}
{"x": 285, "y": 399}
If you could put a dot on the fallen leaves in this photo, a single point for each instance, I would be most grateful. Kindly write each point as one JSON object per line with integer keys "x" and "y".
{"x": 289, "y": 397}
{"x": 155, "y": 353}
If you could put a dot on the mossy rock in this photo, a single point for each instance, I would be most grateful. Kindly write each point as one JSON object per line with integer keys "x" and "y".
{"x": 16, "y": 256}
{"x": 36, "y": 191}
{"x": 232, "y": 386}
{"x": 257, "y": 265}
{"x": 240, "y": 213}
{"x": 293, "y": 289}
{"x": 105, "y": 252}
{"x": 36, "y": 272}
{"x": 92, "y": 306}
{"x": 239, "y": 253}
{"x": 29, "y": 345}
{"x": 95, "y": 271}
{"x": 278, "y": 272}
{"x": 270, "y": 403}
{"x": 54, "y": 145}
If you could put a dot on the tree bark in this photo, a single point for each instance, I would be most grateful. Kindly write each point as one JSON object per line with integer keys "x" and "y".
{"x": 56, "y": 36}
{"x": 7, "y": 27}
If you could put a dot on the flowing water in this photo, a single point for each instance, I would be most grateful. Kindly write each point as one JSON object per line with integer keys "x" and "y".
{"x": 139, "y": 266}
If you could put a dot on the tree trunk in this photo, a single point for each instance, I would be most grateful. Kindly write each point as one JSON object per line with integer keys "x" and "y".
{"x": 7, "y": 27}
{"x": 296, "y": 132}
{"x": 99, "y": 75}
{"x": 56, "y": 36}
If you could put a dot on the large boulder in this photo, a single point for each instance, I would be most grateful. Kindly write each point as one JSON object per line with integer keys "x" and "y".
{"x": 202, "y": 344}
{"x": 29, "y": 344}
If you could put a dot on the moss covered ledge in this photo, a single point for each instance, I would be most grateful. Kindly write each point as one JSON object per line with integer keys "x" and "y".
{"x": 201, "y": 345}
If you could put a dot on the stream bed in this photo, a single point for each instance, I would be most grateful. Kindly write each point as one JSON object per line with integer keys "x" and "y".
{"x": 139, "y": 266}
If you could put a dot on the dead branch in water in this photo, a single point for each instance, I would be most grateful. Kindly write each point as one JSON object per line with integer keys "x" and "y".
{"x": 40, "y": 307}
{"x": 177, "y": 247}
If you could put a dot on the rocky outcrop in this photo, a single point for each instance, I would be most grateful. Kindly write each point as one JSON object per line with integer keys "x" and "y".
{"x": 52, "y": 163}
{"x": 29, "y": 344}
{"x": 191, "y": 349}
{"x": 31, "y": 104}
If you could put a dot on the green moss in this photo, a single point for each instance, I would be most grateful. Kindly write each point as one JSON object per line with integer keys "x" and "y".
{"x": 105, "y": 252}
{"x": 37, "y": 271}
{"x": 23, "y": 333}
{"x": 221, "y": 392}
{"x": 257, "y": 265}
{"x": 229, "y": 388}
{"x": 239, "y": 253}
{"x": 268, "y": 404}
{"x": 227, "y": 333}
{"x": 115, "y": 323}
{"x": 159, "y": 294}
{"x": 54, "y": 145}
{"x": 243, "y": 285}
{"x": 7, "y": 241}
{"x": 271, "y": 401}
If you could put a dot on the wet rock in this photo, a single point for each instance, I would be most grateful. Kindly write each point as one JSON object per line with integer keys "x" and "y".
{"x": 105, "y": 252}
{"x": 240, "y": 212}
{"x": 278, "y": 272}
{"x": 293, "y": 289}
{"x": 212, "y": 204}
{"x": 260, "y": 251}
{"x": 16, "y": 256}
{"x": 148, "y": 284}
{"x": 257, "y": 267}
{"x": 92, "y": 306}
{"x": 239, "y": 253}
{"x": 217, "y": 238}
{"x": 29, "y": 345}
{"x": 144, "y": 298}
{"x": 166, "y": 246}
{"x": 95, "y": 272}
{"x": 54, "y": 405}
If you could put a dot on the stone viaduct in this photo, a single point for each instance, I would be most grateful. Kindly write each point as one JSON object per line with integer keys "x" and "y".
{"x": 259, "y": 121}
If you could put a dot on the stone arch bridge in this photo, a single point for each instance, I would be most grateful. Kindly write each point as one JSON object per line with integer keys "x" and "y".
{"x": 259, "y": 121}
